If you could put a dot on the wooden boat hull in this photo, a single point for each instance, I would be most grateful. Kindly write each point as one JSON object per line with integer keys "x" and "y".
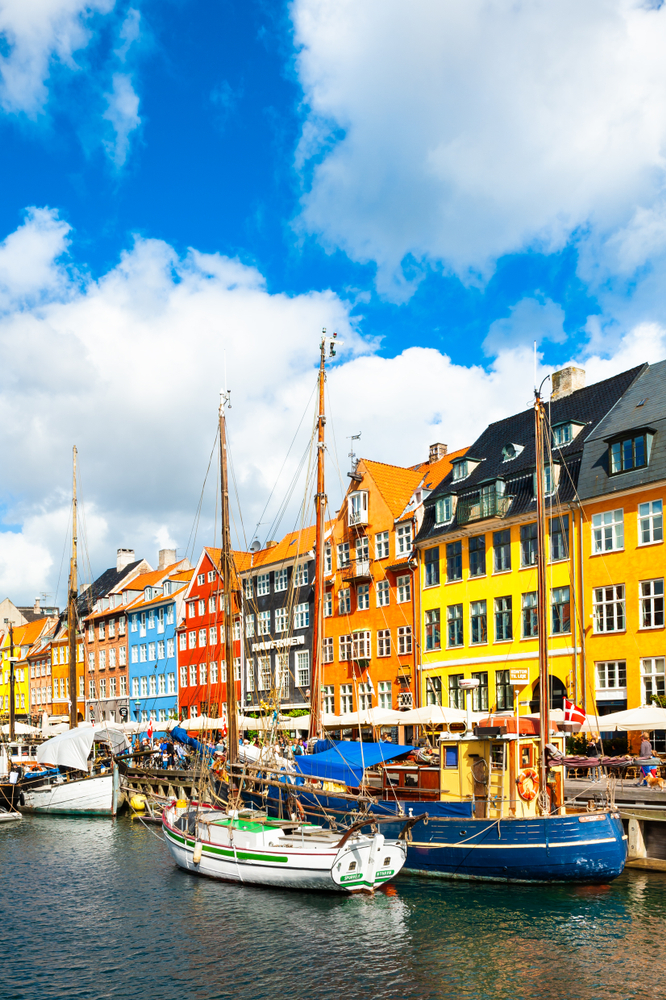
{"x": 283, "y": 868}
{"x": 585, "y": 847}
{"x": 96, "y": 795}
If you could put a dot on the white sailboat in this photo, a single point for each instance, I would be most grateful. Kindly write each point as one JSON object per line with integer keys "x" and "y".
{"x": 248, "y": 847}
{"x": 75, "y": 792}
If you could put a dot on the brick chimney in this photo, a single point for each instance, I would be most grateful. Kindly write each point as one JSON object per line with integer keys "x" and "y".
{"x": 437, "y": 451}
{"x": 566, "y": 381}
{"x": 166, "y": 557}
{"x": 123, "y": 558}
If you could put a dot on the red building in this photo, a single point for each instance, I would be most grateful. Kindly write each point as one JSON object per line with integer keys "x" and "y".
{"x": 202, "y": 670}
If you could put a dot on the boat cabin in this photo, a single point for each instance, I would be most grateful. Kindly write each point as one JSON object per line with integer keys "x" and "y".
{"x": 495, "y": 769}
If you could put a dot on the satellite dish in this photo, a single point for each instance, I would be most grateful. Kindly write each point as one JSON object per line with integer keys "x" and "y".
{"x": 255, "y": 546}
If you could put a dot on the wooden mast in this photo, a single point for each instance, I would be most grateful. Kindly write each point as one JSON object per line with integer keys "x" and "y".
{"x": 320, "y": 514}
{"x": 72, "y": 604}
{"x": 542, "y": 595}
{"x": 12, "y": 686}
{"x": 227, "y": 577}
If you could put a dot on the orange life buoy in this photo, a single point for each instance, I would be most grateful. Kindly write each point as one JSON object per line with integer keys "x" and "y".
{"x": 297, "y": 810}
{"x": 528, "y": 783}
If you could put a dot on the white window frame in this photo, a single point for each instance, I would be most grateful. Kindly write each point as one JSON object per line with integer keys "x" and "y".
{"x": 303, "y": 669}
{"x": 382, "y": 545}
{"x": 650, "y": 522}
{"x": 346, "y": 698}
{"x": 363, "y": 597}
{"x": 263, "y": 584}
{"x": 652, "y": 678}
{"x": 301, "y": 575}
{"x": 608, "y": 531}
{"x": 651, "y": 604}
{"x": 302, "y": 615}
{"x": 403, "y": 539}
{"x": 608, "y": 677}
{"x": 281, "y": 620}
{"x": 343, "y": 555}
{"x": 384, "y": 695}
{"x": 404, "y": 640}
{"x": 609, "y": 609}
{"x": 264, "y": 623}
{"x": 383, "y": 642}
{"x": 403, "y": 589}
{"x": 281, "y": 580}
{"x": 344, "y": 601}
{"x": 383, "y": 592}
{"x": 327, "y": 649}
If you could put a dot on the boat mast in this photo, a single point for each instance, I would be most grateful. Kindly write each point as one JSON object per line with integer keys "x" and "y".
{"x": 542, "y": 604}
{"x": 320, "y": 514}
{"x": 227, "y": 576}
{"x": 72, "y": 604}
{"x": 12, "y": 685}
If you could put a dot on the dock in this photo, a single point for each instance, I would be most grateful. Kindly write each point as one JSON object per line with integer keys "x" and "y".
{"x": 643, "y": 813}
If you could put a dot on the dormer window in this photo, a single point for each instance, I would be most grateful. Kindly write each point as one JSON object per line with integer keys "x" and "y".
{"x": 511, "y": 451}
{"x": 148, "y": 593}
{"x": 357, "y": 507}
{"x": 460, "y": 470}
{"x": 630, "y": 453}
{"x": 551, "y": 479}
{"x": 445, "y": 509}
{"x": 563, "y": 434}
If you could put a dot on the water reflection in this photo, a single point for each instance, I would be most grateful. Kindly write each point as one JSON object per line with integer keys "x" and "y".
{"x": 97, "y": 909}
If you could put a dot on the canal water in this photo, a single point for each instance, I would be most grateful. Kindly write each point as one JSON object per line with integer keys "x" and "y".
{"x": 96, "y": 909}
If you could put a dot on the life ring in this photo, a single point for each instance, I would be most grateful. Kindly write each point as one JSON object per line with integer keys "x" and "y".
{"x": 528, "y": 783}
{"x": 296, "y": 808}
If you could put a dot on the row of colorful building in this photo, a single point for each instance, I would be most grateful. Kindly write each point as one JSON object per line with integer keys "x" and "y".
{"x": 430, "y": 578}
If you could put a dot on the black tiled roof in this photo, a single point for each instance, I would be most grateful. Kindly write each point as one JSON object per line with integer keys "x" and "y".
{"x": 587, "y": 406}
{"x": 103, "y": 585}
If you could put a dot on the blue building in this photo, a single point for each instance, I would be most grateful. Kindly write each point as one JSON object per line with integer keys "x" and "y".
{"x": 153, "y": 616}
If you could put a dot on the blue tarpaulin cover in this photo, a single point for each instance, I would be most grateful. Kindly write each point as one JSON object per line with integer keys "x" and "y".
{"x": 346, "y": 762}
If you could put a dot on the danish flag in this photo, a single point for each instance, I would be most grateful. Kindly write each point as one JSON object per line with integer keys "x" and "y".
{"x": 572, "y": 713}
{"x": 150, "y": 730}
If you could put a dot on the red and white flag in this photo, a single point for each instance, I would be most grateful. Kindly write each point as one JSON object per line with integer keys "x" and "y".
{"x": 150, "y": 730}
{"x": 572, "y": 713}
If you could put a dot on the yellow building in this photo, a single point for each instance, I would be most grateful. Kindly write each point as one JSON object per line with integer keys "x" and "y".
{"x": 24, "y": 638}
{"x": 478, "y": 550}
{"x": 622, "y": 487}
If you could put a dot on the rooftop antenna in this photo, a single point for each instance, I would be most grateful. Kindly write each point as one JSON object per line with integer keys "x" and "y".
{"x": 352, "y": 455}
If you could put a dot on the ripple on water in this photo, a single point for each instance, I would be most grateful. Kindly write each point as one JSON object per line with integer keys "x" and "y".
{"x": 95, "y": 909}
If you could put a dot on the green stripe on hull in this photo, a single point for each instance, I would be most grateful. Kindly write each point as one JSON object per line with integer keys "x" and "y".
{"x": 227, "y": 853}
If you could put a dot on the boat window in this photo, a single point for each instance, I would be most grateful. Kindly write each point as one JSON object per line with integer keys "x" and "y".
{"x": 393, "y": 777}
{"x": 411, "y": 780}
{"x": 498, "y": 756}
{"x": 450, "y": 756}
{"x": 387, "y": 861}
{"x": 526, "y": 756}
{"x": 352, "y": 866}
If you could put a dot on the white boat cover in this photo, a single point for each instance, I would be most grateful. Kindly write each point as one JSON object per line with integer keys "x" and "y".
{"x": 69, "y": 749}
{"x": 21, "y": 729}
{"x": 113, "y": 735}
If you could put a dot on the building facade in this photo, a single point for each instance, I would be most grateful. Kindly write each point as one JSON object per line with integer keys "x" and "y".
{"x": 370, "y": 643}
{"x": 202, "y": 667}
{"x": 622, "y": 488}
{"x": 153, "y": 667}
{"x": 278, "y": 620}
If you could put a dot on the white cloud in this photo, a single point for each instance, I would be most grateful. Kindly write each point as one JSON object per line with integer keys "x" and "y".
{"x": 129, "y": 369}
{"x": 465, "y": 130}
{"x": 529, "y": 319}
{"x": 37, "y": 34}
{"x": 123, "y": 114}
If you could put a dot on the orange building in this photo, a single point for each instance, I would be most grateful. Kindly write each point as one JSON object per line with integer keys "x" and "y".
{"x": 371, "y": 596}
{"x": 60, "y": 675}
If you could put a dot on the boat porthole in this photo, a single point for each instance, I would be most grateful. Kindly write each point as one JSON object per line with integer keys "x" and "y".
{"x": 387, "y": 861}
{"x": 462, "y": 833}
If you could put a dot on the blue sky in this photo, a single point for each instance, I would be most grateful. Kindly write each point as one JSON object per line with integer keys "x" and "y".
{"x": 184, "y": 180}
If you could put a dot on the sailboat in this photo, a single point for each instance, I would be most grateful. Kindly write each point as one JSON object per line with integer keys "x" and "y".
{"x": 245, "y": 845}
{"x": 494, "y": 801}
{"x": 65, "y": 782}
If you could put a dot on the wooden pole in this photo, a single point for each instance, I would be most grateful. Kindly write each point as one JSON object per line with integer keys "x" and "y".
{"x": 72, "y": 605}
{"x": 12, "y": 686}
{"x": 542, "y": 595}
{"x": 227, "y": 583}
{"x": 320, "y": 514}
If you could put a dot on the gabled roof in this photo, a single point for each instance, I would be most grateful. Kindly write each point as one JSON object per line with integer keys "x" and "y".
{"x": 395, "y": 483}
{"x": 27, "y": 635}
{"x": 160, "y": 599}
{"x": 109, "y": 580}
{"x": 242, "y": 560}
